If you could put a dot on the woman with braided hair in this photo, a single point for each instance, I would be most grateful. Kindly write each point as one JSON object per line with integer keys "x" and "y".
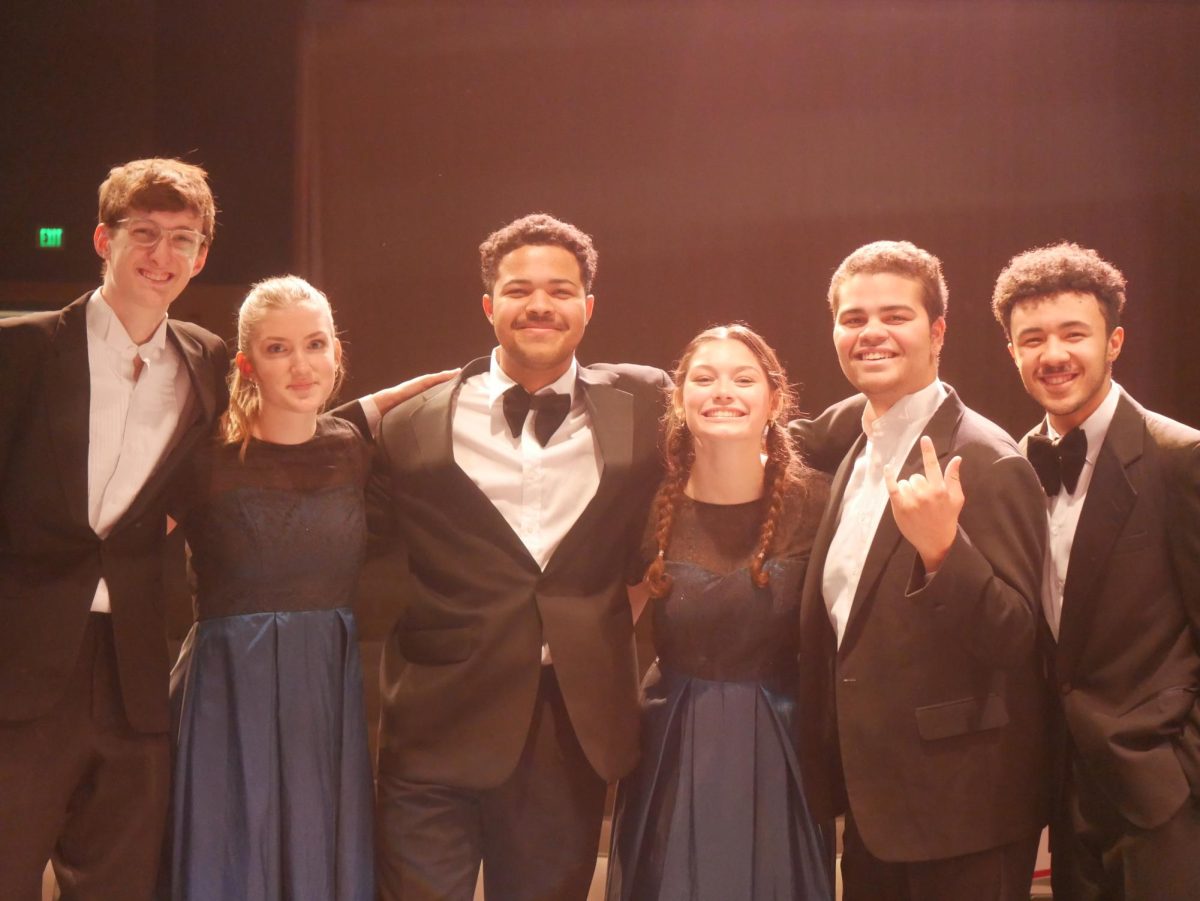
{"x": 716, "y": 807}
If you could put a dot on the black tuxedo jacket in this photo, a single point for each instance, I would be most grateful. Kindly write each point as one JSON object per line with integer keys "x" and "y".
{"x": 1126, "y": 665}
{"x": 462, "y": 664}
{"x": 50, "y": 559}
{"x": 930, "y": 719}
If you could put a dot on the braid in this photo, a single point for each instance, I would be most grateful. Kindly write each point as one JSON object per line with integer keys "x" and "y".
{"x": 779, "y": 480}
{"x": 679, "y": 454}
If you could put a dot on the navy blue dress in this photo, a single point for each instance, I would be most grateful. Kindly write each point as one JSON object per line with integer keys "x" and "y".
{"x": 716, "y": 809}
{"x": 272, "y": 777}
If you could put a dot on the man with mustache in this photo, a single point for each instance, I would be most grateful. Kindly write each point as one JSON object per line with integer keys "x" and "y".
{"x": 1121, "y": 592}
{"x": 519, "y": 491}
{"x": 919, "y": 616}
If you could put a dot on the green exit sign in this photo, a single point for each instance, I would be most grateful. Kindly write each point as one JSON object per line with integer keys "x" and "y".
{"x": 49, "y": 238}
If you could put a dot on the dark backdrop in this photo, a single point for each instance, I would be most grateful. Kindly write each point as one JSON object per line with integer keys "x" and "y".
{"x": 725, "y": 156}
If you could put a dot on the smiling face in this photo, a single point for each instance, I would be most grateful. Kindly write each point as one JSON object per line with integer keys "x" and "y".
{"x": 725, "y": 395}
{"x": 539, "y": 310}
{"x": 141, "y": 280}
{"x": 885, "y": 343}
{"x": 293, "y": 358}
{"x": 1064, "y": 353}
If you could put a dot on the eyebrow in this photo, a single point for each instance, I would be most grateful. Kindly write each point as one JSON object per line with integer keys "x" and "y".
{"x": 745, "y": 367}
{"x": 1057, "y": 326}
{"x": 319, "y": 333}
{"x": 528, "y": 281}
{"x": 890, "y": 308}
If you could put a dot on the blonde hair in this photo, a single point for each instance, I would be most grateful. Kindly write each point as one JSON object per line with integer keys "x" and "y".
{"x": 280, "y": 293}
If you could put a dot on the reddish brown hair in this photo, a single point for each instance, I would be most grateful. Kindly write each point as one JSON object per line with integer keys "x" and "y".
{"x": 784, "y": 471}
{"x": 158, "y": 184}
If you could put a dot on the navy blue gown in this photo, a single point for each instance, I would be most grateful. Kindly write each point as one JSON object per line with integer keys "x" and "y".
{"x": 272, "y": 777}
{"x": 716, "y": 809}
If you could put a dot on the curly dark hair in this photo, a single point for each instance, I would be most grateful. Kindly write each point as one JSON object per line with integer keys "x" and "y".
{"x": 901, "y": 258}
{"x": 784, "y": 473}
{"x": 541, "y": 229}
{"x": 1056, "y": 269}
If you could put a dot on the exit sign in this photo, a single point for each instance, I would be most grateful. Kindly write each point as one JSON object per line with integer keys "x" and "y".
{"x": 49, "y": 238}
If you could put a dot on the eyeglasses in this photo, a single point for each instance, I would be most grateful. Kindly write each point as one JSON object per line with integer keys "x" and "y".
{"x": 147, "y": 233}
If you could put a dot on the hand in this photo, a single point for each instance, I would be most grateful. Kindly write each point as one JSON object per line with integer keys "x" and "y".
{"x": 926, "y": 507}
{"x": 389, "y": 397}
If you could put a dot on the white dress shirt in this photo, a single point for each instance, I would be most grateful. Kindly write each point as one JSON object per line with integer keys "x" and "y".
{"x": 1064, "y": 508}
{"x": 890, "y": 439}
{"x": 540, "y": 491}
{"x": 132, "y": 417}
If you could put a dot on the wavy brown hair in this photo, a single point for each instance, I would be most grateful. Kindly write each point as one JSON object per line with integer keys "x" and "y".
{"x": 280, "y": 293}
{"x": 782, "y": 477}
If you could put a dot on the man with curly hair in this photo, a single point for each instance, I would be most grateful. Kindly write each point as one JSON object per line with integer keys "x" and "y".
{"x": 1121, "y": 592}
{"x": 519, "y": 490}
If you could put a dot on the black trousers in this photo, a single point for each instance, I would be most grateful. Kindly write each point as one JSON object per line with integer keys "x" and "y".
{"x": 1004, "y": 873}
{"x": 536, "y": 834}
{"x": 80, "y": 788}
{"x": 1098, "y": 855}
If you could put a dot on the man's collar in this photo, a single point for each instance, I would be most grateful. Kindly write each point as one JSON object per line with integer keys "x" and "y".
{"x": 1095, "y": 427}
{"x": 920, "y": 405}
{"x": 499, "y": 381}
{"x": 104, "y": 324}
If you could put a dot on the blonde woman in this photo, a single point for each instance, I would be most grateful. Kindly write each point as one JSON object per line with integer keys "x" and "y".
{"x": 272, "y": 794}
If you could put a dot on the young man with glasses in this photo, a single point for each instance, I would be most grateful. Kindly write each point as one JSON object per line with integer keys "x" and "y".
{"x": 100, "y": 401}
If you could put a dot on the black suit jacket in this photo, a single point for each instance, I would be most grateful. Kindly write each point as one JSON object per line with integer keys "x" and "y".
{"x": 1126, "y": 664}
{"x": 462, "y": 664}
{"x": 50, "y": 559}
{"x": 930, "y": 718}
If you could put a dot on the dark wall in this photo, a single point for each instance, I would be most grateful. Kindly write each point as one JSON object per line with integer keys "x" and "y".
{"x": 727, "y": 156}
{"x": 87, "y": 85}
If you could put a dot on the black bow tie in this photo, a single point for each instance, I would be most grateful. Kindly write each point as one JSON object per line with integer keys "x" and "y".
{"x": 1058, "y": 463}
{"x": 551, "y": 410}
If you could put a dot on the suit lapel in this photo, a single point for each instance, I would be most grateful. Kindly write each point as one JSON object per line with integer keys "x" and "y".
{"x": 611, "y": 412}
{"x": 433, "y": 439}
{"x": 813, "y": 611}
{"x": 1110, "y": 500}
{"x": 941, "y": 429}
{"x": 68, "y": 399}
{"x": 195, "y": 419}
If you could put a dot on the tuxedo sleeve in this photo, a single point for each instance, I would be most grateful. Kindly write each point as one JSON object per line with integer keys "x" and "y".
{"x": 823, "y": 442}
{"x": 1183, "y": 530}
{"x": 986, "y": 594}
{"x": 1183, "y": 535}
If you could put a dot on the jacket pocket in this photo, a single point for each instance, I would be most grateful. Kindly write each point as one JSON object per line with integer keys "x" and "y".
{"x": 961, "y": 717}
